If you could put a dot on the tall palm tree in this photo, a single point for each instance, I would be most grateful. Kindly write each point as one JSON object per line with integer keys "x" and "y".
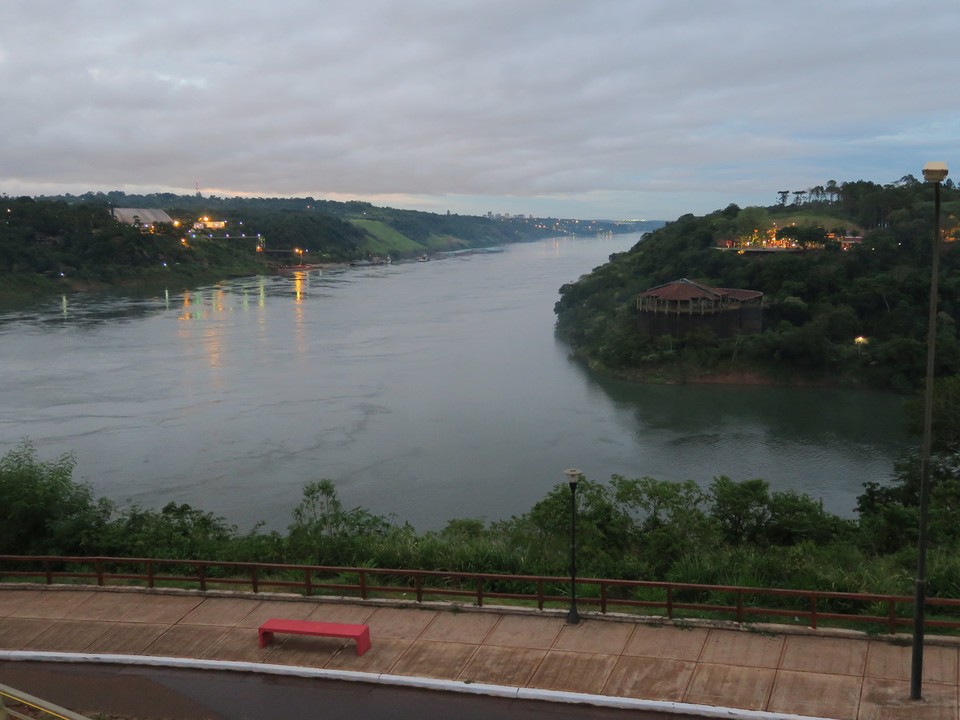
{"x": 832, "y": 190}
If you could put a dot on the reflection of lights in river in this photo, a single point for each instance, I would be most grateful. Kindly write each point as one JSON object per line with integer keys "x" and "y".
{"x": 188, "y": 314}
{"x": 212, "y": 333}
{"x": 299, "y": 280}
{"x": 298, "y": 286}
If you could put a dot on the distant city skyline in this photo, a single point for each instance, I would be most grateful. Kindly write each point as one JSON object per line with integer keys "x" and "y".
{"x": 554, "y": 108}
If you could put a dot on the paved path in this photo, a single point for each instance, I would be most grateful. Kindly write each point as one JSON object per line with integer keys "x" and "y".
{"x": 820, "y": 674}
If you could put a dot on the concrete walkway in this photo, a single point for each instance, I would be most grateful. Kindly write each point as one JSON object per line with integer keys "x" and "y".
{"x": 829, "y": 674}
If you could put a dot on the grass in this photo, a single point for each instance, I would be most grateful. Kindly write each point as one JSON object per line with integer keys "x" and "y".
{"x": 384, "y": 239}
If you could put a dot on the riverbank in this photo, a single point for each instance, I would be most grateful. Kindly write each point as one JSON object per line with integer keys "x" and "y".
{"x": 679, "y": 373}
{"x": 17, "y": 289}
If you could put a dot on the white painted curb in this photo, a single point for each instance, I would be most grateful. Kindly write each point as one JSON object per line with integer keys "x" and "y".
{"x": 457, "y": 686}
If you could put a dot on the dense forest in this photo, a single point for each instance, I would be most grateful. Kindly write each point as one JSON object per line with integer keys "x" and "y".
{"x": 819, "y": 296}
{"x": 77, "y": 242}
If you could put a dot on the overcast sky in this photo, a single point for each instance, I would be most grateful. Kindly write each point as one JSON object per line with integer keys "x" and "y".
{"x": 590, "y": 109}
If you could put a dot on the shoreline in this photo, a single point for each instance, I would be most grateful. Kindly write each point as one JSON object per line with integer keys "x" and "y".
{"x": 748, "y": 377}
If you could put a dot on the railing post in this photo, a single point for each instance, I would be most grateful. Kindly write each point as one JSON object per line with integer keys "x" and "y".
{"x": 202, "y": 572}
{"x": 98, "y": 564}
{"x": 892, "y": 615}
{"x": 479, "y": 592}
{"x": 739, "y": 605}
{"x": 603, "y": 598}
{"x": 363, "y": 584}
{"x": 254, "y": 581}
{"x": 46, "y": 567}
{"x": 540, "y": 601}
{"x": 418, "y": 587}
{"x": 670, "y": 602}
{"x": 150, "y": 577}
{"x": 308, "y": 581}
{"x": 813, "y": 611}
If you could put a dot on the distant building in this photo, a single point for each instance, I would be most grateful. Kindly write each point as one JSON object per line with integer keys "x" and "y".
{"x": 678, "y": 307}
{"x": 205, "y": 223}
{"x": 141, "y": 216}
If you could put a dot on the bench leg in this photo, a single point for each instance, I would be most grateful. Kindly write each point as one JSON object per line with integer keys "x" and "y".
{"x": 266, "y": 637}
{"x": 363, "y": 641}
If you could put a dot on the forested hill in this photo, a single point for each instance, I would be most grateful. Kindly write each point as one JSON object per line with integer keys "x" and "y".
{"x": 75, "y": 241}
{"x": 852, "y": 311}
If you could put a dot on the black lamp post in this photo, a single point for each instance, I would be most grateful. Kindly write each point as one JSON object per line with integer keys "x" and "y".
{"x": 573, "y": 477}
{"x": 933, "y": 172}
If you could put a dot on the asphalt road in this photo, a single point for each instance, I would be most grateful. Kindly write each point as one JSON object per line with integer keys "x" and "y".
{"x": 147, "y": 693}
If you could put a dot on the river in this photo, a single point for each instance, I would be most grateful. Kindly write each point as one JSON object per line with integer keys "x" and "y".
{"x": 426, "y": 391}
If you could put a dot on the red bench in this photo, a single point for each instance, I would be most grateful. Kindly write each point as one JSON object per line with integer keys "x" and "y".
{"x": 360, "y": 633}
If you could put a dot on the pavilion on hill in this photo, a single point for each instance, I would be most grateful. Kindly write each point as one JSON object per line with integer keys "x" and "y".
{"x": 681, "y": 306}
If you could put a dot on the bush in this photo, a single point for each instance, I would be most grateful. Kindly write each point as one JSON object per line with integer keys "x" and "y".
{"x": 44, "y": 511}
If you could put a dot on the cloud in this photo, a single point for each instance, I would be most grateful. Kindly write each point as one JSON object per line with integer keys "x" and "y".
{"x": 622, "y": 107}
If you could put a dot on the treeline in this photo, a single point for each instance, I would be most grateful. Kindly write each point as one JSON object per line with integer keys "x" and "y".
{"x": 326, "y": 225}
{"x": 731, "y": 532}
{"x": 68, "y": 241}
{"x": 48, "y": 245}
{"x": 815, "y": 302}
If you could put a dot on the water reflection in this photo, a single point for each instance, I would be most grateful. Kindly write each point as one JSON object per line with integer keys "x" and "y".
{"x": 301, "y": 285}
{"x": 429, "y": 390}
{"x": 819, "y": 441}
{"x": 812, "y": 414}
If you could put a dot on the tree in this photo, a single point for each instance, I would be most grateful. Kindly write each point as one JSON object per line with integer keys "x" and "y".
{"x": 796, "y": 518}
{"x": 603, "y": 528}
{"x": 671, "y": 518}
{"x": 833, "y": 192}
{"x": 44, "y": 510}
{"x": 741, "y": 508}
{"x": 176, "y": 531}
{"x": 323, "y": 532}
{"x": 753, "y": 221}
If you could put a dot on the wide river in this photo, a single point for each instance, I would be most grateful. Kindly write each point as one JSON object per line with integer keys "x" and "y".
{"x": 426, "y": 391}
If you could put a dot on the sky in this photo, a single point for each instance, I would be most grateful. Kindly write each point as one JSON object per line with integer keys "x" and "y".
{"x": 591, "y": 109}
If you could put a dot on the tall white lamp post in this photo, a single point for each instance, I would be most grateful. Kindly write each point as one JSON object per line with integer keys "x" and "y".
{"x": 573, "y": 477}
{"x": 936, "y": 173}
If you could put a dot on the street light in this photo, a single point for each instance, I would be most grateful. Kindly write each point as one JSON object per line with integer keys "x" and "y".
{"x": 933, "y": 172}
{"x": 860, "y": 341}
{"x": 573, "y": 477}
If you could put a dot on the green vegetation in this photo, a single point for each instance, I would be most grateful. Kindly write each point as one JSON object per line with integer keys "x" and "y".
{"x": 385, "y": 240}
{"x": 816, "y": 302}
{"x": 47, "y": 245}
{"x": 731, "y": 533}
{"x": 71, "y": 243}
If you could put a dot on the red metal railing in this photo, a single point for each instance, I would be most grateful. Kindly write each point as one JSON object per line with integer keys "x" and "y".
{"x": 673, "y": 600}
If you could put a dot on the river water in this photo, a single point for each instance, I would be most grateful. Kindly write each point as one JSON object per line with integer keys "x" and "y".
{"x": 426, "y": 391}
